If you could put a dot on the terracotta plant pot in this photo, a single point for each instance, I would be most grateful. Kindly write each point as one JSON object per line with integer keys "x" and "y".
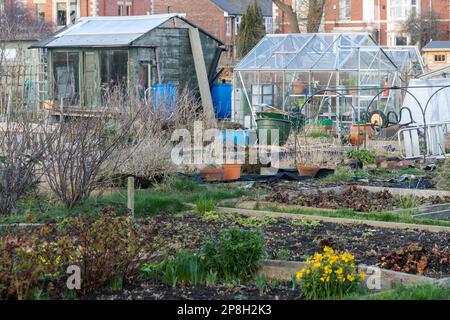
{"x": 298, "y": 87}
{"x": 231, "y": 171}
{"x": 212, "y": 174}
{"x": 308, "y": 171}
{"x": 354, "y": 133}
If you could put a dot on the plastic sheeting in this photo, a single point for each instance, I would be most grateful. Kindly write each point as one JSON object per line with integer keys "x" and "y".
{"x": 438, "y": 108}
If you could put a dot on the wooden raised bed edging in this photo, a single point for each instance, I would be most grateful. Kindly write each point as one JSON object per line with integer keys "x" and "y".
{"x": 372, "y": 223}
{"x": 283, "y": 271}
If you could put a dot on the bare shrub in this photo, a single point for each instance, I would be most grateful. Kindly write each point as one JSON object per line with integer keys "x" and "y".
{"x": 77, "y": 150}
{"x": 20, "y": 156}
{"x": 150, "y": 157}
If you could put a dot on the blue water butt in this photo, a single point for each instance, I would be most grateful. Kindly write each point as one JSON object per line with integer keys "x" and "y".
{"x": 164, "y": 96}
{"x": 221, "y": 95}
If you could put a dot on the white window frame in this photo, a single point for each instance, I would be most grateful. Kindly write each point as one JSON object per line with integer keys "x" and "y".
{"x": 401, "y": 9}
{"x": 237, "y": 23}
{"x": 228, "y": 26}
{"x": 345, "y": 9}
{"x": 268, "y": 24}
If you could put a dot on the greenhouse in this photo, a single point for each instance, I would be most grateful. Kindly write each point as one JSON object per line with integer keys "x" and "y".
{"x": 323, "y": 76}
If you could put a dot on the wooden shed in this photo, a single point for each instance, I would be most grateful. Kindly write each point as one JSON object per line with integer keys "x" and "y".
{"x": 89, "y": 59}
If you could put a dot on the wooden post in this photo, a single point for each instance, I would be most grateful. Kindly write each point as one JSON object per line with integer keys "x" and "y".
{"x": 202, "y": 76}
{"x": 130, "y": 195}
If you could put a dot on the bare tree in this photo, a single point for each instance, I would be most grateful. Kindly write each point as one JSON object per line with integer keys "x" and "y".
{"x": 17, "y": 22}
{"x": 290, "y": 14}
{"x": 307, "y": 14}
{"x": 315, "y": 14}
{"x": 422, "y": 28}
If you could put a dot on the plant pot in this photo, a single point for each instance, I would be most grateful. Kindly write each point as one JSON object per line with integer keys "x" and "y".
{"x": 298, "y": 87}
{"x": 231, "y": 171}
{"x": 354, "y": 133}
{"x": 212, "y": 174}
{"x": 308, "y": 171}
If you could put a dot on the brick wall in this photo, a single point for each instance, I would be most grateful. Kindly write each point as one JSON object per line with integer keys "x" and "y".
{"x": 203, "y": 13}
{"x": 388, "y": 27}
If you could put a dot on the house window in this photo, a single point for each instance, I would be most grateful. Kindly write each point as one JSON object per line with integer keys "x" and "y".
{"x": 66, "y": 77}
{"x": 268, "y": 23}
{"x": 344, "y": 9}
{"x": 128, "y": 9}
{"x": 237, "y": 23}
{"x": 401, "y": 9}
{"x": 119, "y": 10}
{"x": 61, "y": 14}
{"x": 401, "y": 41}
{"x": 40, "y": 11}
{"x": 439, "y": 58}
{"x": 228, "y": 26}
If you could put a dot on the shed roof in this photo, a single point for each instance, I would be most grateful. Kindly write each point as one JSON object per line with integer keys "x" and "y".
{"x": 239, "y": 7}
{"x": 437, "y": 45}
{"x": 105, "y": 31}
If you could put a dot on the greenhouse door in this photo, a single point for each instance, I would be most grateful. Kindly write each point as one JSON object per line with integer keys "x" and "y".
{"x": 91, "y": 79}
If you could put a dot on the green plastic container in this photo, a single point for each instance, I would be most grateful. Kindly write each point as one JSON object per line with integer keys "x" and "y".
{"x": 297, "y": 123}
{"x": 283, "y": 126}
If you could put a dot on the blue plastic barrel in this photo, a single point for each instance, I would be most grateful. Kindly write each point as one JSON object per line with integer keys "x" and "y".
{"x": 164, "y": 96}
{"x": 221, "y": 95}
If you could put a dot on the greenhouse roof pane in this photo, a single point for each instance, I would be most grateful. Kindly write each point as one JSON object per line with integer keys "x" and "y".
{"x": 323, "y": 51}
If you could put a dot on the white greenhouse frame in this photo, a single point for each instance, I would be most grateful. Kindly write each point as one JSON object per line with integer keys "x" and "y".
{"x": 343, "y": 73}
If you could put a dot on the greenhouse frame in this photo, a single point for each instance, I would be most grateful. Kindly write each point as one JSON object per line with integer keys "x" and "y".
{"x": 324, "y": 76}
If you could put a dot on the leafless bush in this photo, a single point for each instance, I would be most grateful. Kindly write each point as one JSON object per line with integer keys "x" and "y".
{"x": 77, "y": 150}
{"x": 150, "y": 156}
{"x": 20, "y": 156}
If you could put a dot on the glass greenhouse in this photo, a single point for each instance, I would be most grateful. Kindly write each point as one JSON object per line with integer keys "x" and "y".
{"x": 337, "y": 75}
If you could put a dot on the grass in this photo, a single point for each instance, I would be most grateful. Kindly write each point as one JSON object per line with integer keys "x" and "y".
{"x": 343, "y": 174}
{"x": 407, "y": 202}
{"x": 399, "y": 217}
{"x": 416, "y": 292}
{"x": 395, "y": 173}
{"x": 169, "y": 196}
{"x": 423, "y": 292}
{"x": 318, "y": 134}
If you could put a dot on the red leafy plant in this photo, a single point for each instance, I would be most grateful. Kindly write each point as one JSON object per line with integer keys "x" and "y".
{"x": 414, "y": 259}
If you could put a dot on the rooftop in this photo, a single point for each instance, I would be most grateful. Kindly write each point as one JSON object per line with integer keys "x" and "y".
{"x": 239, "y": 7}
{"x": 105, "y": 31}
{"x": 437, "y": 45}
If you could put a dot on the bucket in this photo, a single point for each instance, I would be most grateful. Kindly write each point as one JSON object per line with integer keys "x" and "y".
{"x": 283, "y": 126}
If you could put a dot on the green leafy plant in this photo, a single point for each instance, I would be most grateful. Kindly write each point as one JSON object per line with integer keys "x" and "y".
{"x": 318, "y": 134}
{"x": 205, "y": 205}
{"x": 235, "y": 254}
{"x": 364, "y": 155}
{"x": 261, "y": 283}
{"x": 283, "y": 254}
{"x": 211, "y": 278}
{"x": 407, "y": 202}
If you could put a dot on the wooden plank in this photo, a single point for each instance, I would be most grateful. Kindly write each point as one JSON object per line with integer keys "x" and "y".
{"x": 202, "y": 76}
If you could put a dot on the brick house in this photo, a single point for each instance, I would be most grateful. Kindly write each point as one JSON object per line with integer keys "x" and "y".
{"x": 220, "y": 18}
{"x": 382, "y": 17}
{"x": 65, "y": 12}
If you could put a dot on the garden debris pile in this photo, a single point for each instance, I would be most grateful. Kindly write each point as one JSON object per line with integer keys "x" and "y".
{"x": 353, "y": 198}
{"x": 415, "y": 259}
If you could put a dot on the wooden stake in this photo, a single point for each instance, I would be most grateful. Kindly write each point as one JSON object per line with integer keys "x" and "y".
{"x": 130, "y": 195}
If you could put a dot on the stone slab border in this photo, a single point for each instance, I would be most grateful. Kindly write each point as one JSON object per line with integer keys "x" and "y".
{"x": 283, "y": 271}
{"x": 372, "y": 223}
